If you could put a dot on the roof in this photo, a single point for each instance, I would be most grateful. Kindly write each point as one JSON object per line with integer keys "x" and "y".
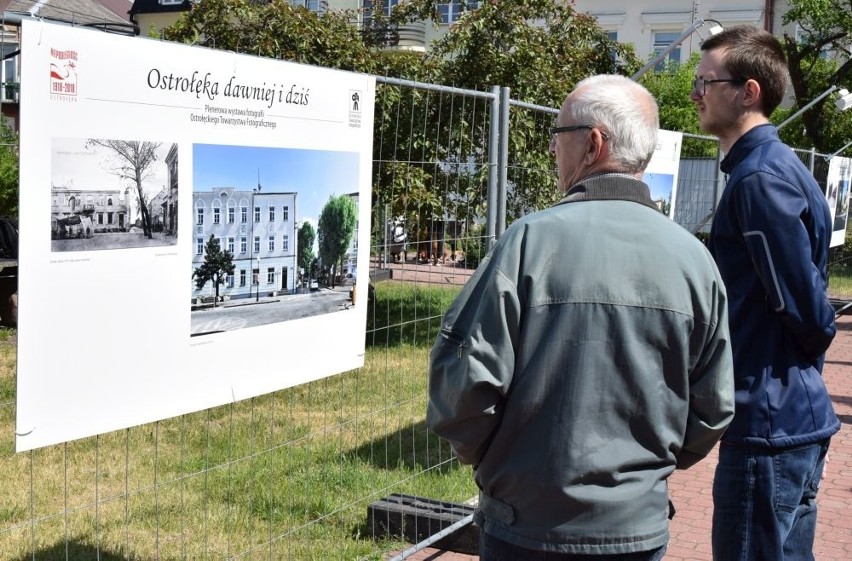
{"x": 119, "y": 7}
{"x": 71, "y": 11}
{"x": 154, "y": 7}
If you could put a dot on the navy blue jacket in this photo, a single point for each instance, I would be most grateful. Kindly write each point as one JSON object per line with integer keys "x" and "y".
{"x": 770, "y": 239}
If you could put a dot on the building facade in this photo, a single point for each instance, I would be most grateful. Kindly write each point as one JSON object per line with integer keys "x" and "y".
{"x": 651, "y": 26}
{"x": 258, "y": 229}
{"x": 108, "y": 209}
{"x": 163, "y": 208}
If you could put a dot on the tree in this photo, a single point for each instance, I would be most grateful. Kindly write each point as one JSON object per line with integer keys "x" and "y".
{"x": 217, "y": 266}
{"x": 336, "y": 225}
{"x": 8, "y": 170}
{"x": 275, "y": 29}
{"x": 827, "y": 28}
{"x": 134, "y": 162}
{"x": 671, "y": 88}
{"x": 438, "y": 151}
{"x": 306, "y": 236}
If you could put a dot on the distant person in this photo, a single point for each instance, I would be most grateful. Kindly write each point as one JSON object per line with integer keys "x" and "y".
{"x": 588, "y": 355}
{"x": 770, "y": 239}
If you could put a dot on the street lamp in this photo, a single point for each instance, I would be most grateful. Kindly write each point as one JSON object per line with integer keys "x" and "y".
{"x": 696, "y": 25}
{"x": 813, "y": 102}
{"x": 844, "y": 147}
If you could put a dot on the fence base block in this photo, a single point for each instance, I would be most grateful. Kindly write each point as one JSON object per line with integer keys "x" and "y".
{"x": 414, "y": 519}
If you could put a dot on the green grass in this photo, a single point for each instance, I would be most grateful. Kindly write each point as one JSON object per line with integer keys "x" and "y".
{"x": 840, "y": 281}
{"x": 289, "y": 475}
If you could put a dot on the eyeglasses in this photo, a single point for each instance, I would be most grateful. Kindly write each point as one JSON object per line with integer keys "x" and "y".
{"x": 570, "y": 128}
{"x": 699, "y": 85}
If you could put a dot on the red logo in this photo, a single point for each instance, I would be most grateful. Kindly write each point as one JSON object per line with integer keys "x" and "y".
{"x": 63, "y": 74}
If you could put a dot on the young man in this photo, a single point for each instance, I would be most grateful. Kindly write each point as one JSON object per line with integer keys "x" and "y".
{"x": 588, "y": 356}
{"x": 770, "y": 239}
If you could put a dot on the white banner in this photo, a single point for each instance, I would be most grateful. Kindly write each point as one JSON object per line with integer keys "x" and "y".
{"x": 134, "y": 153}
{"x": 662, "y": 171}
{"x": 837, "y": 193}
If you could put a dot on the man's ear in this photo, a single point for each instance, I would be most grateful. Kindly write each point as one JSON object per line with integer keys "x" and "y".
{"x": 752, "y": 95}
{"x": 594, "y": 147}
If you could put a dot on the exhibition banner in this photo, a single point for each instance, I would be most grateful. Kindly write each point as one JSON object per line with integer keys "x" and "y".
{"x": 164, "y": 188}
{"x": 837, "y": 193}
{"x": 662, "y": 171}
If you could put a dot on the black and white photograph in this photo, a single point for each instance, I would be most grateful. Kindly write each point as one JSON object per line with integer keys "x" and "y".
{"x": 113, "y": 194}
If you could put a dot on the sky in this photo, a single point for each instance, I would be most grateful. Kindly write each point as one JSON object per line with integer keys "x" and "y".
{"x": 314, "y": 174}
{"x": 75, "y": 166}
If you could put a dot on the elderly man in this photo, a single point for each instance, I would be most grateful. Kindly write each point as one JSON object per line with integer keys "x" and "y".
{"x": 588, "y": 356}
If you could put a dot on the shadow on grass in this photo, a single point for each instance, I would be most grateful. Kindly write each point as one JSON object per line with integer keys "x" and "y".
{"x": 72, "y": 551}
{"x": 412, "y": 447}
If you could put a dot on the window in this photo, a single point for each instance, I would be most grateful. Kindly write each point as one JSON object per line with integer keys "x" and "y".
{"x": 216, "y": 215}
{"x": 255, "y": 276}
{"x": 199, "y": 246}
{"x": 315, "y": 6}
{"x": 257, "y": 244}
{"x": 453, "y": 10}
{"x": 803, "y": 37}
{"x": 199, "y": 215}
{"x": 612, "y": 36}
{"x": 242, "y": 277}
{"x": 285, "y": 213}
{"x": 170, "y": 2}
{"x": 231, "y": 215}
{"x": 272, "y": 214}
{"x": 243, "y": 214}
{"x": 257, "y": 214}
{"x": 10, "y": 75}
{"x": 662, "y": 40}
{"x": 229, "y": 281}
{"x": 243, "y": 245}
{"x": 100, "y": 218}
{"x": 109, "y": 218}
{"x": 285, "y": 243}
{"x": 231, "y": 245}
{"x": 369, "y": 7}
{"x": 271, "y": 243}
{"x": 109, "y": 201}
{"x": 270, "y": 275}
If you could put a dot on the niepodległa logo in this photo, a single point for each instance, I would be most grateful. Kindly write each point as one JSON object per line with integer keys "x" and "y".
{"x": 63, "y": 74}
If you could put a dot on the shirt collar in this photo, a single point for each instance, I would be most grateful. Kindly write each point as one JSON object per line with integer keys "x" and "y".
{"x": 610, "y": 187}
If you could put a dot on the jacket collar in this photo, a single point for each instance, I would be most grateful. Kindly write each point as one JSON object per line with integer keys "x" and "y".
{"x": 746, "y": 143}
{"x": 610, "y": 187}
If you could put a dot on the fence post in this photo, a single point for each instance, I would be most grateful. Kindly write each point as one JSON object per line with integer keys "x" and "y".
{"x": 503, "y": 165}
{"x": 491, "y": 196}
{"x": 811, "y": 158}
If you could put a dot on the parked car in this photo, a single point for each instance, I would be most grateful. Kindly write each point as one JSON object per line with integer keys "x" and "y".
{"x": 77, "y": 226}
{"x": 314, "y": 284}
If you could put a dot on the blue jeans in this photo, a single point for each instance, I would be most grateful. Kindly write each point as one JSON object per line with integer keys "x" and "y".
{"x": 764, "y": 502}
{"x": 492, "y": 549}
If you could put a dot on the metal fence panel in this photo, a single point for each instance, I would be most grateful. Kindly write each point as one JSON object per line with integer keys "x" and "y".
{"x": 292, "y": 474}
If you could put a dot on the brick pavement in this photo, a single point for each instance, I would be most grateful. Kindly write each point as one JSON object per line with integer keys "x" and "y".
{"x": 691, "y": 489}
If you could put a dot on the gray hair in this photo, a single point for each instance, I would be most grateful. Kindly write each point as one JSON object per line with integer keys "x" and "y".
{"x": 625, "y": 111}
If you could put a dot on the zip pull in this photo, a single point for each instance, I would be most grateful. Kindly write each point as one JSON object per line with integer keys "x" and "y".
{"x": 462, "y": 345}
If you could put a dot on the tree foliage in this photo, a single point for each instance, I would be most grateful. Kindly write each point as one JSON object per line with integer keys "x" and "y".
{"x": 217, "y": 266}
{"x": 8, "y": 170}
{"x": 433, "y": 147}
{"x": 671, "y": 87}
{"x": 336, "y": 225}
{"x": 827, "y": 28}
{"x": 133, "y": 162}
{"x": 306, "y": 237}
{"x": 276, "y": 29}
